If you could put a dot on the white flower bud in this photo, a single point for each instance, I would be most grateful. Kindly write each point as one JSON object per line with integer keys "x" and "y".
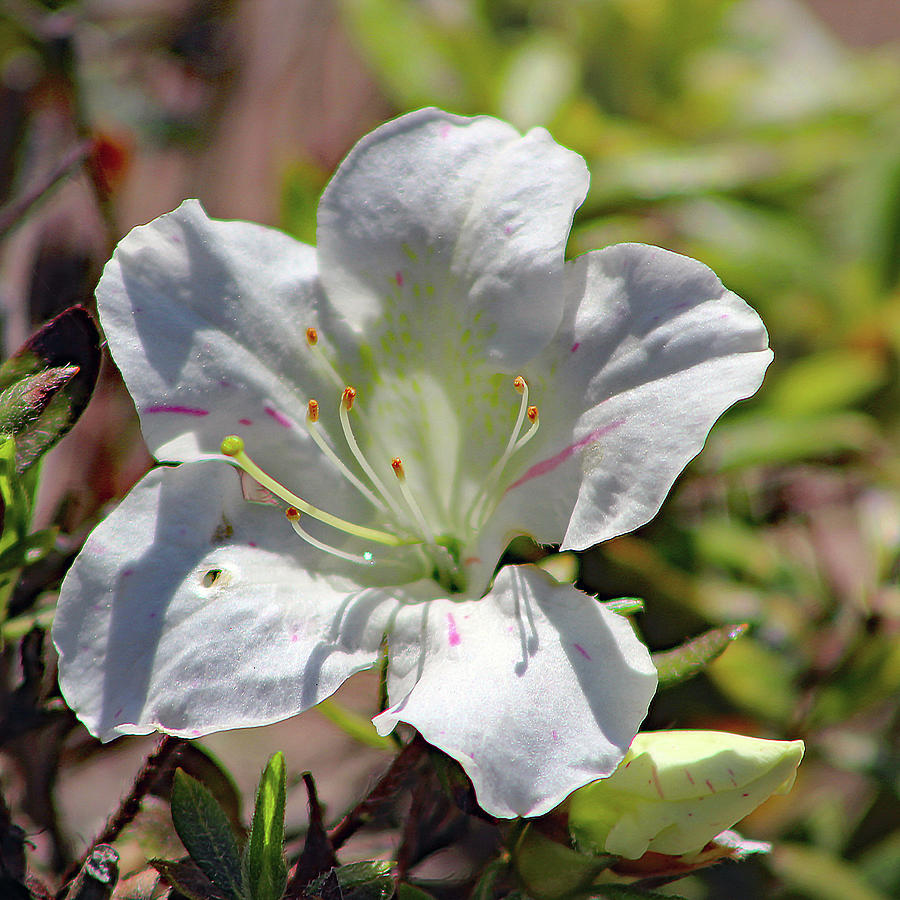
{"x": 676, "y": 790}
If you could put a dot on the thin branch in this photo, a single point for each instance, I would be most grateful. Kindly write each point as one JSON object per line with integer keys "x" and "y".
{"x": 154, "y": 767}
{"x": 13, "y": 212}
{"x": 385, "y": 787}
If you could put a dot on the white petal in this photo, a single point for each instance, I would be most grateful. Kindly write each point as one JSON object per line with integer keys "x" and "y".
{"x": 207, "y": 321}
{"x": 465, "y": 213}
{"x": 535, "y": 689}
{"x": 656, "y": 350}
{"x": 190, "y": 611}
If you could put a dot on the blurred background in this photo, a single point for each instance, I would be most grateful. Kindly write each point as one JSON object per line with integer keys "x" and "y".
{"x": 760, "y": 136}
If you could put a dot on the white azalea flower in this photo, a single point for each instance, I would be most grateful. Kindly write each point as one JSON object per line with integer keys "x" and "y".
{"x": 392, "y": 378}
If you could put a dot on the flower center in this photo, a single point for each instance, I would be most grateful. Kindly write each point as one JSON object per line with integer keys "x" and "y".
{"x": 405, "y": 535}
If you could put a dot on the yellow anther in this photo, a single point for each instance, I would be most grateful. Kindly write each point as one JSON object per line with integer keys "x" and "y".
{"x": 519, "y": 384}
{"x": 397, "y": 466}
{"x": 312, "y": 337}
{"x": 532, "y": 414}
{"x": 312, "y": 410}
{"x": 348, "y": 397}
{"x": 232, "y": 445}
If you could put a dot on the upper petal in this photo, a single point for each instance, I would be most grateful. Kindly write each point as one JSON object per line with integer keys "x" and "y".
{"x": 207, "y": 319}
{"x": 653, "y": 350}
{"x": 461, "y": 220}
{"x": 190, "y": 611}
{"x": 535, "y": 689}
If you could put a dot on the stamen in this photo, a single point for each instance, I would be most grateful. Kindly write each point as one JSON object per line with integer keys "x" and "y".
{"x": 233, "y": 447}
{"x": 489, "y": 503}
{"x": 533, "y": 417}
{"x": 490, "y": 483}
{"x": 293, "y": 516}
{"x": 312, "y": 426}
{"x": 346, "y": 404}
{"x": 312, "y": 339}
{"x": 397, "y": 465}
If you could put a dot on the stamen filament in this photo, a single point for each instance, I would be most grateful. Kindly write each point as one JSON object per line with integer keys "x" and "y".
{"x": 293, "y": 516}
{"x": 489, "y": 504}
{"x": 312, "y": 339}
{"x": 535, "y": 424}
{"x": 513, "y": 444}
{"x": 312, "y": 426}
{"x": 397, "y": 465}
{"x": 344, "y": 407}
{"x": 233, "y": 447}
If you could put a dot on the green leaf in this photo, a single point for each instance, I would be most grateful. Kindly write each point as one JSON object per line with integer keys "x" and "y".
{"x": 263, "y": 867}
{"x": 411, "y": 892}
{"x": 359, "y": 727}
{"x": 627, "y": 892}
{"x": 815, "y": 873}
{"x": 551, "y": 871}
{"x": 187, "y": 878}
{"x": 206, "y": 834}
{"x": 754, "y": 440}
{"x": 757, "y": 678}
{"x": 367, "y": 880}
{"x": 825, "y": 382}
{"x": 689, "y": 659}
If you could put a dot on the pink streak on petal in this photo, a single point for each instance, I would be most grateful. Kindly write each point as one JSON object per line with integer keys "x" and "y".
{"x": 399, "y": 279}
{"x": 548, "y": 465}
{"x": 245, "y": 422}
{"x": 709, "y": 785}
{"x": 180, "y": 410}
{"x": 507, "y": 230}
{"x": 452, "y": 633}
{"x": 656, "y": 783}
{"x": 582, "y": 651}
{"x": 689, "y": 778}
{"x": 445, "y": 131}
{"x": 555, "y": 736}
{"x": 283, "y": 421}
{"x": 575, "y": 346}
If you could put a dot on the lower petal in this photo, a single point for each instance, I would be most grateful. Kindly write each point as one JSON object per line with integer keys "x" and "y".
{"x": 535, "y": 689}
{"x": 191, "y": 611}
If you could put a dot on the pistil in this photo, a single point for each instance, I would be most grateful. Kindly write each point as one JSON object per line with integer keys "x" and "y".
{"x": 233, "y": 447}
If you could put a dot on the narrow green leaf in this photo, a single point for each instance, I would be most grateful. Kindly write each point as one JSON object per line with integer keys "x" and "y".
{"x": 264, "y": 871}
{"x": 411, "y": 892}
{"x": 816, "y": 873}
{"x": 693, "y": 656}
{"x": 206, "y": 834}
{"x": 624, "y": 606}
{"x": 627, "y": 892}
{"x": 359, "y": 727}
{"x": 367, "y": 880}
{"x": 187, "y": 879}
